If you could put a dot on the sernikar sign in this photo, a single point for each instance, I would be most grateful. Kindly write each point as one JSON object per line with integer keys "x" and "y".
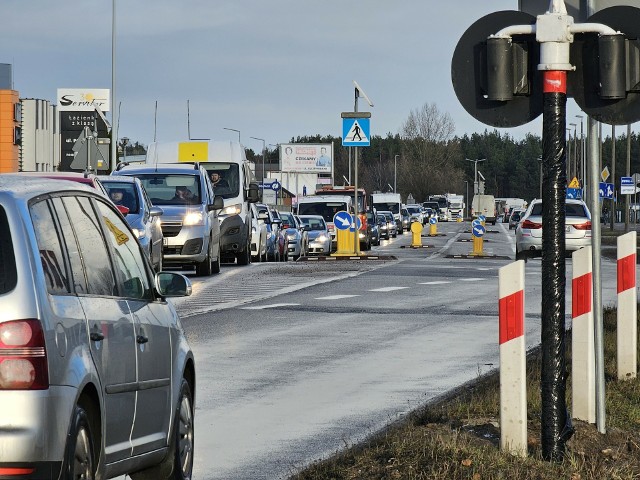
{"x": 83, "y": 99}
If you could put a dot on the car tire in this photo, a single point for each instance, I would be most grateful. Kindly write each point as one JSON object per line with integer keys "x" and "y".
{"x": 203, "y": 268}
{"x": 521, "y": 256}
{"x": 244, "y": 257}
{"x": 79, "y": 457}
{"x": 178, "y": 463}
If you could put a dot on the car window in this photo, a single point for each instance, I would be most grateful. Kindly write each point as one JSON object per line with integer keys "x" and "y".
{"x": 123, "y": 193}
{"x": 172, "y": 189}
{"x": 56, "y": 276}
{"x": 133, "y": 281}
{"x": 8, "y": 273}
{"x": 71, "y": 244}
{"x": 571, "y": 210}
{"x": 93, "y": 250}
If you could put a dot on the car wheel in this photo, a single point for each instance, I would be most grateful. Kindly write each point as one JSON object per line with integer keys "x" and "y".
{"x": 203, "y": 268}
{"x": 244, "y": 257}
{"x": 521, "y": 256}
{"x": 178, "y": 464}
{"x": 79, "y": 453}
{"x": 215, "y": 265}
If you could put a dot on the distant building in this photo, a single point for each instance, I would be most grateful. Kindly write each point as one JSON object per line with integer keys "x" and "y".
{"x": 40, "y": 149}
{"x": 10, "y": 113}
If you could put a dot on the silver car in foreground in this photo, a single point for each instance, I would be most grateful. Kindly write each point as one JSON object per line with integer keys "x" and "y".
{"x": 319, "y": 238}
{"x": 96, "y": 377}
{"x": 529, "y": 229}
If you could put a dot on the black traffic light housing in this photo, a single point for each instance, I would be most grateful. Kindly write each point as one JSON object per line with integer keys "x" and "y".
{"x": 495, "y": 79}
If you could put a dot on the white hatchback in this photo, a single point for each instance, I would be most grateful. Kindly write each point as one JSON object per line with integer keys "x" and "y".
{"x": 529, "y": 230}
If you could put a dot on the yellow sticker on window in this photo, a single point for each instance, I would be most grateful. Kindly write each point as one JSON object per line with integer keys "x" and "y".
{"x": 119, "y": 235}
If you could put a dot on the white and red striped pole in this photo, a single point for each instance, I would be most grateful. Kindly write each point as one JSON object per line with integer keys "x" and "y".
{"x": 583, "y": 366}
{"x": 627, "y": 307}
{"x": 513, "y": 379}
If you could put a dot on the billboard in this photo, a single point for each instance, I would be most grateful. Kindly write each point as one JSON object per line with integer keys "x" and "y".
{"x": 306, "y": 157}
{"x": 83, "y": 99}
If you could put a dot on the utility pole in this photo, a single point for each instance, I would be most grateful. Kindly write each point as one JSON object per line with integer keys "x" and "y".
{"x": 475, "y": 173}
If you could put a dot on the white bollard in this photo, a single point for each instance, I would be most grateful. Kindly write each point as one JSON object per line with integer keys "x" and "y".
{"x": 627, "y": 331}
{"x": 513, "y": 379}
{"x": 583, "y": 366}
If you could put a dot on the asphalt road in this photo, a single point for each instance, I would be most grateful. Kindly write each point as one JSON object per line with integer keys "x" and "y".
{"x": 298, "y": 360}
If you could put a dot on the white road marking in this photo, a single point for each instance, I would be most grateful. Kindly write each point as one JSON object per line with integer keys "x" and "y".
{"x": 471, "y": 279}
{"x": 336, "y": 297}
{"x": 387, "y": 289}
{"x": 436, "y": 282}
{"x": 273, "y": 305}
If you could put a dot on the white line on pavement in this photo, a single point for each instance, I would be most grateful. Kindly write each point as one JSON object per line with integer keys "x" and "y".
{"x": 336, "y": 297}
{"x": 273, "y": 305}
{"x": 387, "y": 289}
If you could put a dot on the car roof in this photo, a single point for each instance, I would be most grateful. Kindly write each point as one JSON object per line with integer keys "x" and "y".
{"x": 86, "y": 178}
{"x": 26, "y": 186}
{"x": 182, "y": 168}
{"x": 118, "y": 178}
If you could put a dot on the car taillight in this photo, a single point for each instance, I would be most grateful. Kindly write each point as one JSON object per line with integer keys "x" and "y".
{"x": 582, "y": 226}
{"x": 531, "y": 225}
{"x": 23, "y": 357}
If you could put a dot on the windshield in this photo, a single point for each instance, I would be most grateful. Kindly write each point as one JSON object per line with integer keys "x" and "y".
{"x": 172, "y": 189}
{"x": 571, "y": 210}
{"x": 391, "y": 207}
{"x": 313, "y": 223}
{"x": 413, "y": 209}
{"x": 325, "y": 209}
{"x": 225, "y": 178}
{"x": 287, "y": 220}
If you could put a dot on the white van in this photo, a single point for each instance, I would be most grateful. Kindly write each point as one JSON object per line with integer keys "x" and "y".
{"x": 389, "y": 202}
{"x": 326, "y": 206}
{"x": 236, "y": 186}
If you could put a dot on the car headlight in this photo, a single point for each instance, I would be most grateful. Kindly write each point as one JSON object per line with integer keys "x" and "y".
{"x": 321, "y": 238}
{"x": 139, "y": 233}
{"x": 361, "y": 235}
{"x": 292, "y": 236}
{"x": 231, "y": 210}
{"x": 194, "y": 218}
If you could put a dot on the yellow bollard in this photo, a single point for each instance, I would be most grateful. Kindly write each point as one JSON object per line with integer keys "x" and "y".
{"x": 478, "y": 247}
{"x": 433, "y": 229}
{"x": 345, "y": 242}
{"x": 416, "y": 234}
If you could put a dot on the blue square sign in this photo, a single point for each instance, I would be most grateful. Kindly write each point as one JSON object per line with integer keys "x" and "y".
{"x": 355, "y": 132}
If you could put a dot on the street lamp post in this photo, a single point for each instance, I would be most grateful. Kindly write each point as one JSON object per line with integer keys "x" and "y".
{"x": 466, "y": 201}
{"x": 233, "y": 130}
{"x": 114, "y": 119}
{"x": 263, "y": 154}
{"x": 540, "y": 160}
{"x": 583, "y": 172}
{"x": 125, "y": 142}
{"x": 395, "y": 173}
{"x": 575, "y": 150}
{"x": 475, "y": 173}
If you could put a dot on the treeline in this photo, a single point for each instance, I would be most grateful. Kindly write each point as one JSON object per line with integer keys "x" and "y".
{"x": 426, "y": 158}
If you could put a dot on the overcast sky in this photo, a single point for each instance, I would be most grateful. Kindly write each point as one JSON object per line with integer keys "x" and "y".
{"x": 273, "y": 69}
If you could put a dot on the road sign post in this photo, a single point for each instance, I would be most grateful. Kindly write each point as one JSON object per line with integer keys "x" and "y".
{"x": 344, "y": 237}
{"x": 433, "y": 227}
{"x": 477, "y": 231}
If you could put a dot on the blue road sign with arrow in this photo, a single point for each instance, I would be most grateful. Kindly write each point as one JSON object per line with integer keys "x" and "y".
{"x": 342, "y": 220}
{"x": 275, "y": 186}
{"x": 482, "y": 218}
{"x": 355, "y": 225}
{"x": 606, "y": 190}
{"x": 478, "y": 231}
{"x": 433, "y": 220}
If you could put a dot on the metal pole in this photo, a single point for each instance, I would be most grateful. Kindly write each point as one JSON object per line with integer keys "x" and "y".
{"x": 613, "y": 175}
{"x": 627, "y": 198}
{"x": 594, "y": 138}
{"x": 114, "y": 119}
{"x": 596, "y": 256}
{"x": 556, "y": 423}
{"x": 395, "y": 173}
{"x": 356, "y": 233}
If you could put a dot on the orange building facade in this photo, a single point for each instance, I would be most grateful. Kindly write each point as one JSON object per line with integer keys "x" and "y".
{"x": 9, "y": 130}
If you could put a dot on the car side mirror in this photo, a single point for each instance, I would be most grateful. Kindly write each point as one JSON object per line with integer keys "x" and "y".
{"x": 218, "y": 203}
{"x": 170, "y": 284}
{"x": 253, "y": 194}
{"x": 123, "y": 210}
{"x": 306, "y": 228}
{"x": 156, "y": 212}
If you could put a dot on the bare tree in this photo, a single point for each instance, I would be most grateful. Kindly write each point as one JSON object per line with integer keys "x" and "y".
{"x": 429, "y": 153}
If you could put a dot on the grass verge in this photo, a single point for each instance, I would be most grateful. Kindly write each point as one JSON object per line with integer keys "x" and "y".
{"x": 458, "y": 437}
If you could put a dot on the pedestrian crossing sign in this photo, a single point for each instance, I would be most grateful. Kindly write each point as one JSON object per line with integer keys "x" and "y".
{"x": 355, "y": 132}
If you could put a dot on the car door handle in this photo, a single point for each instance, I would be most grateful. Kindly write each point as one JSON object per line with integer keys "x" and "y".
{"x": 96, "y": 336}
{"x": 142, "y": 339}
